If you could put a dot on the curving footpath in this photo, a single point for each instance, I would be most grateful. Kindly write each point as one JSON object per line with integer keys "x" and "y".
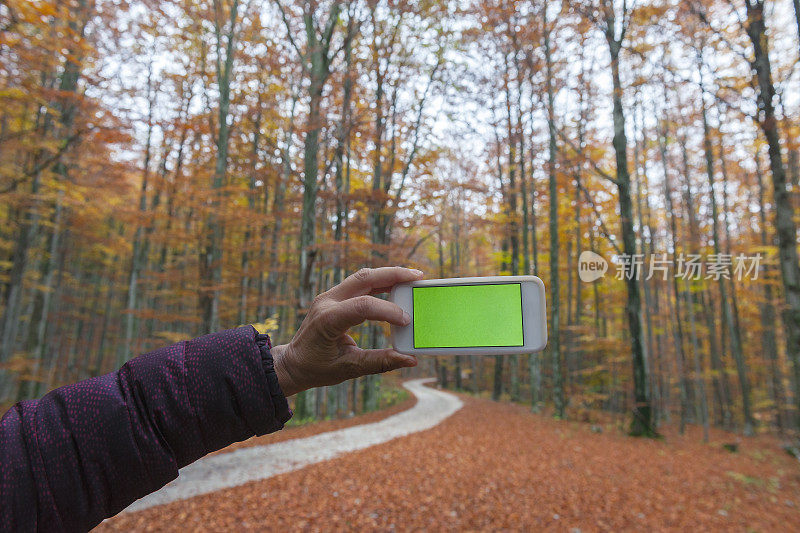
{"x": 260, "y": 462}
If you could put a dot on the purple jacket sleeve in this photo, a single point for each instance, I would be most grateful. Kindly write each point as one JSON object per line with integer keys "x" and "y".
{"x": 86, "y": 451}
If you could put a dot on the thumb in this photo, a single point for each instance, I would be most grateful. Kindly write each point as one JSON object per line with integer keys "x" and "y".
{"x": 382, "y": 360}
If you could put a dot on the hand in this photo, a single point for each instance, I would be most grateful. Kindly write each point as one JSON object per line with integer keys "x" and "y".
{"x": 322, "y": 353}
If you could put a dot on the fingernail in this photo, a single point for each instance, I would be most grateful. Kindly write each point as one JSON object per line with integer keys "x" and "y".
{"x": 406, "y": 318}
{"x": 417, "y": 272}
{"x": 411, "y": 361}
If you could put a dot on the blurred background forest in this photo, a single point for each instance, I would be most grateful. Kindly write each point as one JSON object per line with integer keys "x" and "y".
{"x": 170, "y": 168}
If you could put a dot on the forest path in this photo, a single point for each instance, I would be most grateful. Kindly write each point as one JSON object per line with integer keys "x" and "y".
{"x": 497, "y": 466}
{"x": 253, "y": 463}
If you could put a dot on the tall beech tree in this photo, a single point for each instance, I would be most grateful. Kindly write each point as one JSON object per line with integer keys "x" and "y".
{"x": 555, "y": 332}
{"x": 614, "y": 21}
{"x": 786, "y": 228}
{"x": 316, "y": 58}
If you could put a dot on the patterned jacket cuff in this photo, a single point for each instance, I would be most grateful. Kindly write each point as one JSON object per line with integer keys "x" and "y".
{"x": 282, "y": 411}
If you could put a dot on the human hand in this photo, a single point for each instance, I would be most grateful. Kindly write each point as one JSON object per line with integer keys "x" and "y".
{"x": 322, "y": 353}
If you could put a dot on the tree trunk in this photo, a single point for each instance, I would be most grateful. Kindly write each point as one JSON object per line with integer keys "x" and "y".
{"x": 767, "y": 312}
{"x": 642, "y": 422}
{"x": 554, "y": 339}
{"x": 126, "y": 351}
{"x": 211, "y": 251}
{"x": 705, "y": 306}
{"x": 512, "y": 212}
{"x": 797, "y": 16}
{"x": 14, "y": 287}
{"x": 735, "y": 340}
{"x": 49, "y": 272}
{"x": 308, "y": 251}
{"x": 271, "y": 289}
{"x": 683, "y": 370}
{"x": 369, "y": 390}
{"x": 700, "y": 384}
{"x": 497, "y": 389}
{"x": 318, "y": 69}
{"x": 244, "y": 286}
{"x": 342, "y": 141}
{"x": 784, "y": 223}
{"x": 640, "y": 178}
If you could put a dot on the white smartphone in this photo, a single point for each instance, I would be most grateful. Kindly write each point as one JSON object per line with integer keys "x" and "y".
{"x": 496, "y": 315}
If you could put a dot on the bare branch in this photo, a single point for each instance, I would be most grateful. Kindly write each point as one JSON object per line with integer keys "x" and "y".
{"x": 701, "y": 16}
{"x": 597, "y": 214}
{"x": 417, "y": 126}
{"x": 53, "y": 159}
{"x": 600, "y": 172}
{"x": 419, "y": 242}
{"x": 289, "y": 34}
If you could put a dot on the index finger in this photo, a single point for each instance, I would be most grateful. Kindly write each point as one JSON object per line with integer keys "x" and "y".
{"x": 344, "y": 315}
{"x": 367, "y": 280}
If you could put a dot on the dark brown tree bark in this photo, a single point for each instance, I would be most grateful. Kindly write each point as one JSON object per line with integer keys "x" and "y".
{"x": 554, "y": 340}
{"x": 642, "y": 421}
{"x": 767, "y": 312}
{"x": 784, "y": 222}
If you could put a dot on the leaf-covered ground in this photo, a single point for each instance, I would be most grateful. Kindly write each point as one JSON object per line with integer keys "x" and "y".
{"x": 497, "y": 466}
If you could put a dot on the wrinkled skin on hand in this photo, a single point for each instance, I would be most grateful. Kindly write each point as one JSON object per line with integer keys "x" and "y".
{"x": 322, "y": 353}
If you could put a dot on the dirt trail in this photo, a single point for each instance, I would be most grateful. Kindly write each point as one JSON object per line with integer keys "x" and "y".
{"x": 222, "y": 471}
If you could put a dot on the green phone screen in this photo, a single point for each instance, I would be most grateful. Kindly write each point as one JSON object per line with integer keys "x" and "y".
{"x": 462, "y": 316}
